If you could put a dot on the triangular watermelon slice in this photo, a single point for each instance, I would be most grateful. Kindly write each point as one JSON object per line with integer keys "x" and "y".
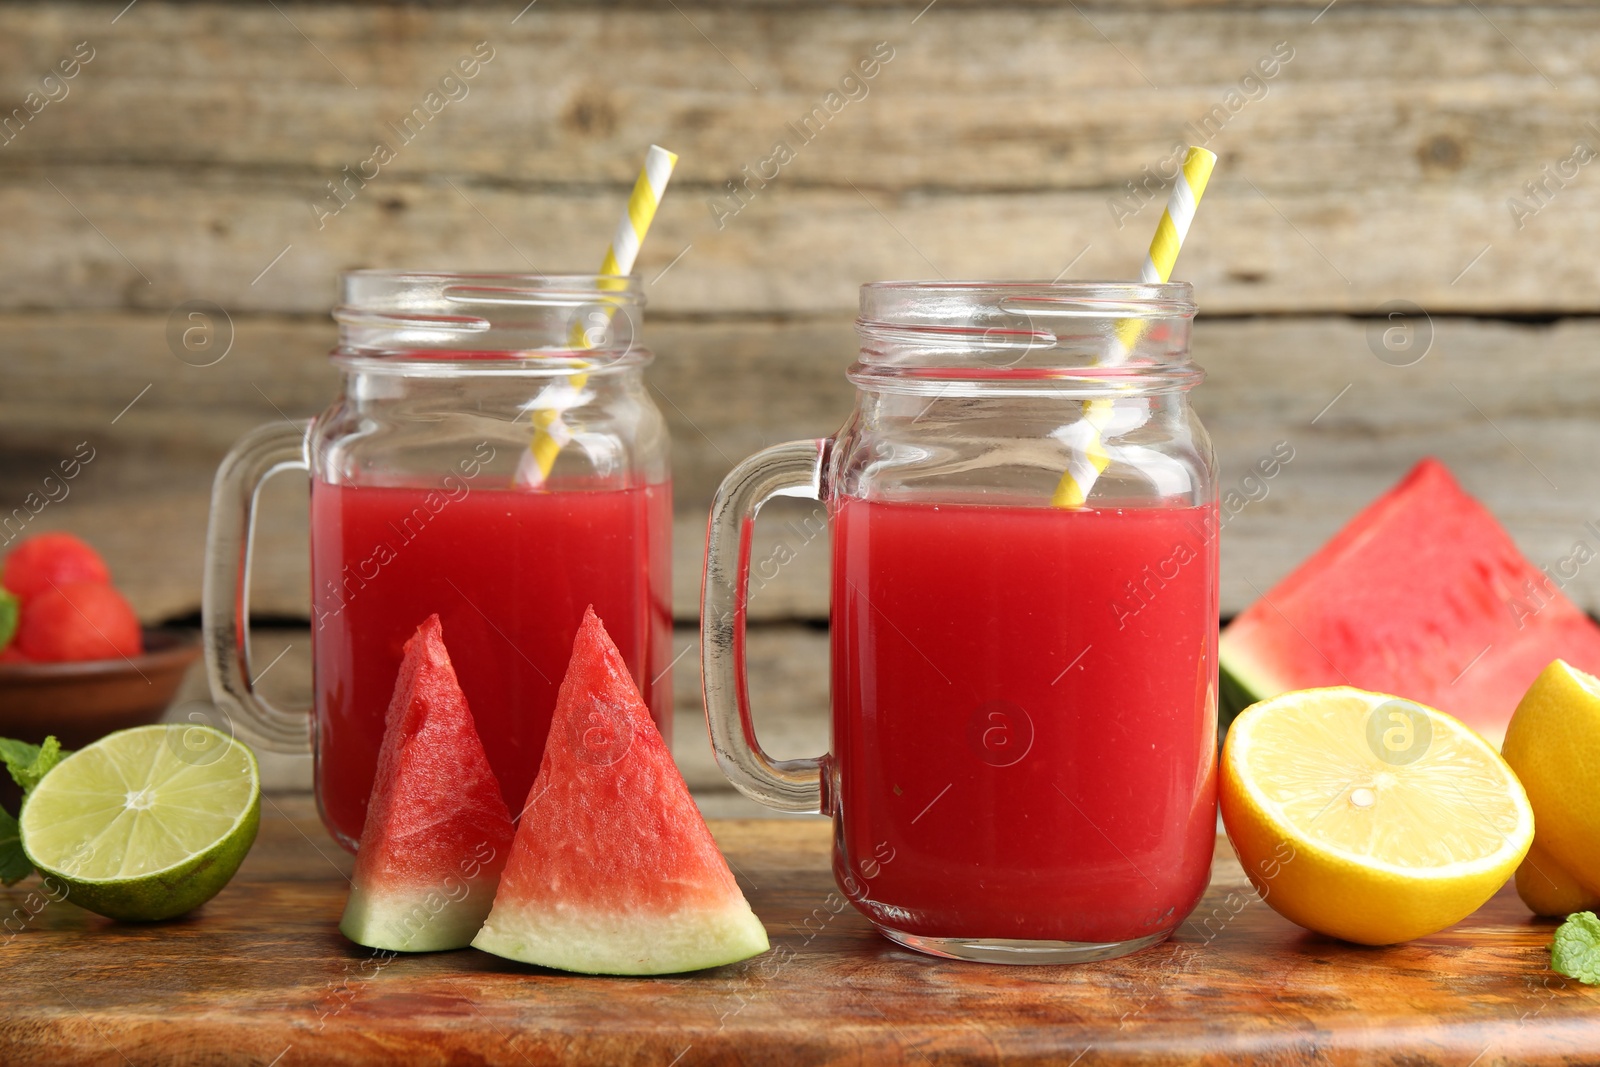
{"x": 437, "y": 832}
{"x": 1424, "y": 595}
{"x": 613, "y": 870}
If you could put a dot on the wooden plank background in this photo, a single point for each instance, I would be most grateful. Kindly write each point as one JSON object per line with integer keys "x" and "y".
{"x": 1382, "y": 162}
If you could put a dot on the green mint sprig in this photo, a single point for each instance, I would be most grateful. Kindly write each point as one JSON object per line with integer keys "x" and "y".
{"x": 27, "y": 765}
{"x": 10, "y": 611}
{"x": 14, "y": 864}
{"x": 1576, "y": 950}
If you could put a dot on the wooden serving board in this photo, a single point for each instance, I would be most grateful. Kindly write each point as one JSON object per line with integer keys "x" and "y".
{"x": 261, "y": 975}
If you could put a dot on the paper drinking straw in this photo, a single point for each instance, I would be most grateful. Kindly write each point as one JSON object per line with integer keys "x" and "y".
{"x": 642, "y": 204}
{"x": 1089, "y": 457}
{"x": 550, "y": 431}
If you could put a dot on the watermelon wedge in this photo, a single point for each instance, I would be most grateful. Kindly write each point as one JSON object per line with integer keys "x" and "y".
{"x": 613, "y": 870}
{"x": 437, "y": 832}
{"x": 1424, "y": 595}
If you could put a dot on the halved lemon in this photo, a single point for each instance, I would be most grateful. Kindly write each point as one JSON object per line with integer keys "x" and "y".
{"x": 1367, "y": 817}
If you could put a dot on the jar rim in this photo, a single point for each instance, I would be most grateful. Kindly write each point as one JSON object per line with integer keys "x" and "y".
{"x": 1099, "y": 297}
{"x": 488, "y": 287}
{"x": 423, "y": 364}
{"x": 476, "y": 318}
{"x": 1000, "y": 335}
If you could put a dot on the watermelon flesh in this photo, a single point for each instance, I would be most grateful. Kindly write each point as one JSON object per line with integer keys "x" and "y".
{"x": 437, "y": 832}
{"x": 1423, "y": 595}
{"x": 613, "y": 871}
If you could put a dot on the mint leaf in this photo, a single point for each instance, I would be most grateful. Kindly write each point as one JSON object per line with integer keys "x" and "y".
{"x": 1576, "y": 951}
{"x": 14, "y": 865}
{"x": 10, "y": 611}
{"x": 29, "y": 763}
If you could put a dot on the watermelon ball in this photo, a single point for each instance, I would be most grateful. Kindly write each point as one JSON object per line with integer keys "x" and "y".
{"x": 78, "y": 621}
{"x": 52, "y": 559}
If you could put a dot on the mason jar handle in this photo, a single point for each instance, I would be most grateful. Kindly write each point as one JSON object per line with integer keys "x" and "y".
{"x": 793, "y": 469}
{"x": 225, "y": 598}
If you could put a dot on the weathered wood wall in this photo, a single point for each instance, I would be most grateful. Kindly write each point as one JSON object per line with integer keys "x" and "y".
{"x": 1383, "y": 160}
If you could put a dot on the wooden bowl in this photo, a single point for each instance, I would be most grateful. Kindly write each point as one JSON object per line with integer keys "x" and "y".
{"x": 82, "y": 702}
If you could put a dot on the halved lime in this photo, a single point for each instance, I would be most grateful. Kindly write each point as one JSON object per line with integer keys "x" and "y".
{"x": 147, "y": 823}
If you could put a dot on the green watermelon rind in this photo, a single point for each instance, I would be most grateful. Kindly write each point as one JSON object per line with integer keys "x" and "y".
{"x": 589, "y": 941}
{"x": 418, "y": 919}
{"x": 1237, "y": 690}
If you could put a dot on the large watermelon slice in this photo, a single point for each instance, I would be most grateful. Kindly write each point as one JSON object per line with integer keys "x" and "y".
{"x": 437, "y": 832}
{"x": 1424, "y": 595}
{"x": 613, "y": 870}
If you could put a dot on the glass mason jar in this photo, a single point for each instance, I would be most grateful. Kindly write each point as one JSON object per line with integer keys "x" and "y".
{"x": 1024, "y": 670}
{"x": 494, "y": 458}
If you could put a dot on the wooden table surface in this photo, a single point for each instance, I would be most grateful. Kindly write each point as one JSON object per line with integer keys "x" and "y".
{"x": 261, "y": 975}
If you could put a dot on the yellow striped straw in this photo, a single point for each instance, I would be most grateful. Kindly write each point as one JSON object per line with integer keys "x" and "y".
{"x": 1090, "y": 459}
{"x": 550, "y": 430}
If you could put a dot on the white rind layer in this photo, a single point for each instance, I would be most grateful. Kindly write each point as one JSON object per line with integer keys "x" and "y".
{"x": 418, "y": 920}
{"x": 574, "y": 938}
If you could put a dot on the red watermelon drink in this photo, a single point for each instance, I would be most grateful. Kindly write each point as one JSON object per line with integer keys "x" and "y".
{"x": 1024, "y": 717}
{"x": 509, "y": 574}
